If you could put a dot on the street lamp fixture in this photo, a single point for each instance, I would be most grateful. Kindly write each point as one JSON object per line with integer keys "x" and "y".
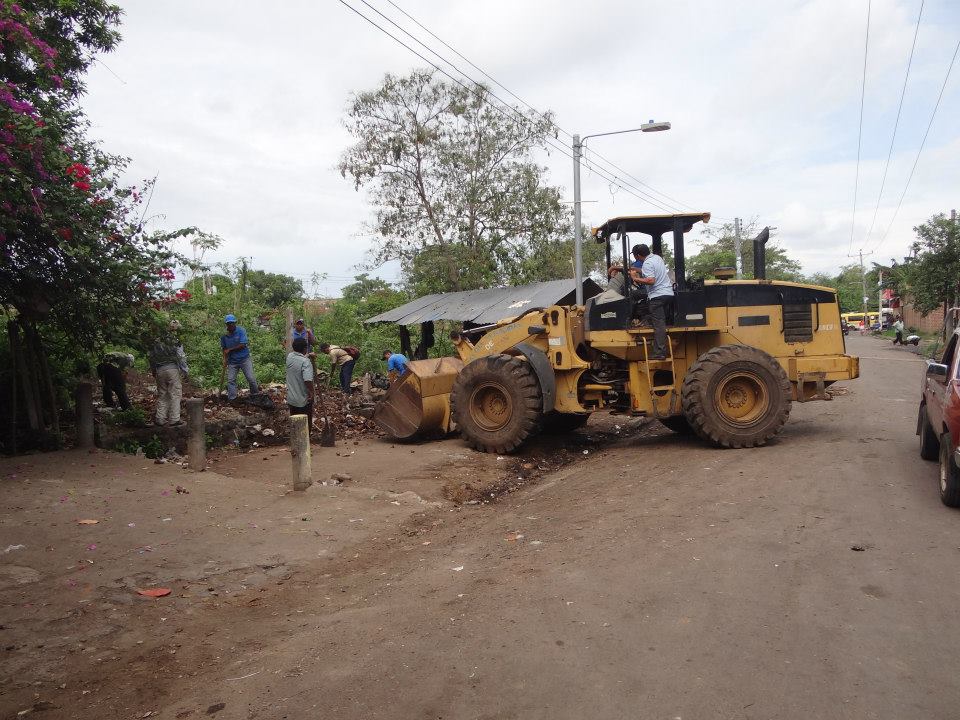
{"x": 650, "y": 126}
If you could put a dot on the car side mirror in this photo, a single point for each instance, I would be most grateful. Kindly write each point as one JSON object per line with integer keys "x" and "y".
{"x": 937, "y": 371}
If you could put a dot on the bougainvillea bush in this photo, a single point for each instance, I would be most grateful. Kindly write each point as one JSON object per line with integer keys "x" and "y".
{"x": 74, "y": 254}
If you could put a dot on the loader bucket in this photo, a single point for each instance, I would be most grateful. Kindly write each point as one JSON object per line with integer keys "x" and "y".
{"x": 418, "y": 403}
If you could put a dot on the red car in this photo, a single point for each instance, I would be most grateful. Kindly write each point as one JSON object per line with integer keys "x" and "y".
{"x": 938, "y": 423}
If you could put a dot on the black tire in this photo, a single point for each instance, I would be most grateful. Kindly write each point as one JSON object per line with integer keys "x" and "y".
{"x": 558, "y": 423}
{"x": 736, "y": 396}
{"x": 496, "y": 403}
{"x": 929, "y": 442}
{"x": 677, "y": 423}
{"x": 949, "y": 474}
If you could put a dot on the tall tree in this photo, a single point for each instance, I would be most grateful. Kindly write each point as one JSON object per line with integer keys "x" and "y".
{"x": 932, "y": 277}
{"x": 76, "y": 259}
{"x": 459, "y": 200}
{"x": 717, "y": 250}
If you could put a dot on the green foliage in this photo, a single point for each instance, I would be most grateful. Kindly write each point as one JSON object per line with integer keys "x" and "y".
{"x": 273, "y": 290}
{"x": 932, "y": 276}
{"x": 717, "y": 250}
{"x": 458, "y": 199}
{"x": 134, "y": 417}
{"x": 154, "y": 448}
{"x": 127, "y": 447}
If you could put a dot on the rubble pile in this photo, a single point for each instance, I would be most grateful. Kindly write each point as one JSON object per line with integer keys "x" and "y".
{"x": 248, "y": 421}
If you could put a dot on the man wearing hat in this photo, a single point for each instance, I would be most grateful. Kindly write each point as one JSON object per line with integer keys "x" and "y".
{"x": 236, "y": 357}
{"x": 300, "y": 331}
{"x": 168, "y": 364}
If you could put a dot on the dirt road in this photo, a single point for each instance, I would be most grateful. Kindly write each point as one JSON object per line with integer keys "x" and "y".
{"x": 656, "y": 578}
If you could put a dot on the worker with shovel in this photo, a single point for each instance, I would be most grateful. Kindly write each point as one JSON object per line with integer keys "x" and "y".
{"x": 300, "y": 381}
{"x": 236, "y": 358}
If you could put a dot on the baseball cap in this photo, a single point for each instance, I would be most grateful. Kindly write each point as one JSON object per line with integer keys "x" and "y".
{"x": 230, "y": 318}
{"x": 299, "y": 320}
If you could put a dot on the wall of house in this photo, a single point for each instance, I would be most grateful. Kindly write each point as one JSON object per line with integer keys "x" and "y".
{"x": 912, "y": 318}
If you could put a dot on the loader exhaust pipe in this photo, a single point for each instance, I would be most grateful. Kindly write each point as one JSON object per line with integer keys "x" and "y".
{"x": 760, "y": 254}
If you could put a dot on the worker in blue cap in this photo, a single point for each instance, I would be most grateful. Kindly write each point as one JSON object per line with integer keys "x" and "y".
{"x": 236, "y": 357}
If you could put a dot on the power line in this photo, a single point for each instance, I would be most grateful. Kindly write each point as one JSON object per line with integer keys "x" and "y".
{"x": 896, "y": 124}
{"x": 487, "y": 75}
{"x": 863, "y": 92}
{"x": 922, "y": 143}
{"x": 549, "y": 141}
{"x": 615, "y": 180}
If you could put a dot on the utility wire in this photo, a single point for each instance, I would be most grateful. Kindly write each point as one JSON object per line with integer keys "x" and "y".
{"x": 922, "y": 143}
{"x": 896, "y": 123}
{"x": 863, "y": 92}
{"x": 610, "y": 177}
{"x": 631, "y": 189}
{"x": 496, "y": 82}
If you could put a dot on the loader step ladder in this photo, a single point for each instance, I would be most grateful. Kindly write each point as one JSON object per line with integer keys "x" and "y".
{"x": 668, "y": 391}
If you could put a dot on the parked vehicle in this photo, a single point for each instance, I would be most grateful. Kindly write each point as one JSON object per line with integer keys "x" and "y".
{"x": 938, "y": 422}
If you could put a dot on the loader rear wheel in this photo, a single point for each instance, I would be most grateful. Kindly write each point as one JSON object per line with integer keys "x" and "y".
{"x": 496, "y": 403}
{"x": 736, "y": 396}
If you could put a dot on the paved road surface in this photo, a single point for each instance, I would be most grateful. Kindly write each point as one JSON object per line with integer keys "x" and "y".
{"x": 659, "y": 579}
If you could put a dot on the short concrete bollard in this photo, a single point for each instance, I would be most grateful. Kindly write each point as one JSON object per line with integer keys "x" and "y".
{"x": 196, "y": 435}
{"x": 300, "y": 452}
{"x": 84, "y": 407}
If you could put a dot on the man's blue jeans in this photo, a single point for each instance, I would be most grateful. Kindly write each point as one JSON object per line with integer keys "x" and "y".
{"x": 246, "y": 366}
{"x": 346, "y": 375}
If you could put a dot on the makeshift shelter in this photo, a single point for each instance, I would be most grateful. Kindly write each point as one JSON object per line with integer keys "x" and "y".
{"x": 476, "y": 308}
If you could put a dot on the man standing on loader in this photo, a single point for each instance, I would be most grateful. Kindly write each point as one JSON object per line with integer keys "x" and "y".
{"x": 659, "y": 295}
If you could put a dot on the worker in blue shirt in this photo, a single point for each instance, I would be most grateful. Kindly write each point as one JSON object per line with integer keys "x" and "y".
{"x": 236, "y": 357}
{"x": 302, "y": 332}
{"x": 396, "y": 363}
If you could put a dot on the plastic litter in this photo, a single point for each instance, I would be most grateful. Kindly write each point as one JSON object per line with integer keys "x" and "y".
{"x": 87, "y": 522}
{"x": 11, "y": 548}
{"x": 154, "y": 592}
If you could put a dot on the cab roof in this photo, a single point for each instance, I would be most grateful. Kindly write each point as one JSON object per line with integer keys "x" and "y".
{"x": 648, "y": 224}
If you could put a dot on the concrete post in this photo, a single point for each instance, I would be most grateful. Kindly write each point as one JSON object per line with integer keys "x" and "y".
{"x": 196, "y": 435}
{"x": 84, "y": 410}
{"x": 300, "y": 452}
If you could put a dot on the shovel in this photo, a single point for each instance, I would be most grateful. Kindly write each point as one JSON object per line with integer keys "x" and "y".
{"x": 328, "y": 437}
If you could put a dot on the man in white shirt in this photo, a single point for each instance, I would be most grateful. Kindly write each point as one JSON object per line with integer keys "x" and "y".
{"x": 660, "y": 297}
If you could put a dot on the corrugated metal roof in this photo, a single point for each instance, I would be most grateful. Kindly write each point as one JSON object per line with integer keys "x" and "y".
{"x": 482, "y": 307}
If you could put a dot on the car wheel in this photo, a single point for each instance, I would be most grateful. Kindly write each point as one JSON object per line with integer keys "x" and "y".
{"x": 929, "y": 442}
{"x": 949, "y": 474}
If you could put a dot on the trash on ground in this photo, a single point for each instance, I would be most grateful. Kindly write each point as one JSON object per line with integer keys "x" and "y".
{"x": 153, "y": 592}
{"x": 87, "y": 522}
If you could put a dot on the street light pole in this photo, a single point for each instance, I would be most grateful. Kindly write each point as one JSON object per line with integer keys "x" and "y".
{"x": 577, "y": 229}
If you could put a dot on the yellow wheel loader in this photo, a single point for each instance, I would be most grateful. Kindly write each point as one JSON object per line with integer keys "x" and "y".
{"x": 739, "y": 353}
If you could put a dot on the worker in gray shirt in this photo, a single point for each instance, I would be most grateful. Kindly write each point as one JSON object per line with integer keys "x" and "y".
{"x": 659, "y": 295}
{"x": 300, "y": 381}
{"x": 168, "y": 364}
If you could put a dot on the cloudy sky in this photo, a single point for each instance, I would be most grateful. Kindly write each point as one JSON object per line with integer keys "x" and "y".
{"x": 237, "y": 108}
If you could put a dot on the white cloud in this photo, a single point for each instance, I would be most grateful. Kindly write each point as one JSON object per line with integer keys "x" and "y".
{"x": 237, "y": 107}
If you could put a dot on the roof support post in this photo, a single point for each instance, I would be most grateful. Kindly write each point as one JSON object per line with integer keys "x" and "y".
{"x": 679, "y": 262}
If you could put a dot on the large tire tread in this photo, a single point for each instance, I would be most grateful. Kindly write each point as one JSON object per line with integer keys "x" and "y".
{"x": 518, "y": 378}
{"x": 705, "y": 420}
{"x": 949, "y": 474}
{"x": 929, "y": 442}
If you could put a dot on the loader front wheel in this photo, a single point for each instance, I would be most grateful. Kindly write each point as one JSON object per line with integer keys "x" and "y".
{"x": 497, "y": 403}
{"x": 736, "y": 396}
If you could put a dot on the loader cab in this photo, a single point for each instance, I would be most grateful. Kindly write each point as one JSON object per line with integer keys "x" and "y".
{"x": 606, "y": 311}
